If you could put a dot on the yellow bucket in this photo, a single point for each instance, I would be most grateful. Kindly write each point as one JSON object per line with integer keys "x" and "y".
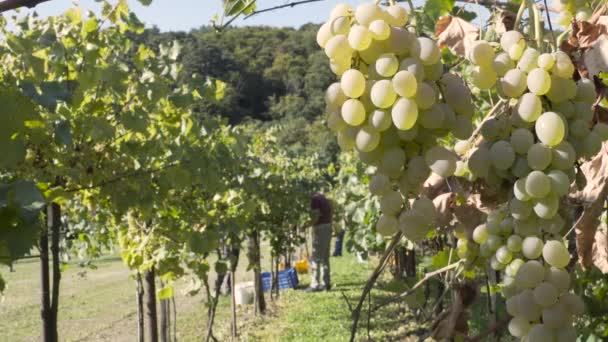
{"x": 301, "y": 266}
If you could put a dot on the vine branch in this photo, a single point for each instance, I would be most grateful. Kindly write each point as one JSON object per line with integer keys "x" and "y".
{"x": 8, "y": 5}
{"x": 290, "y": 4}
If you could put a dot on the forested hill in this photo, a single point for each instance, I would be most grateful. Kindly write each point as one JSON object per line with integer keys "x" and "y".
{"x": 273, "y": 76}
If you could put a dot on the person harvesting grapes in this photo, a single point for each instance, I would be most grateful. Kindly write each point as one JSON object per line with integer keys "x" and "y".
{"x": 321, "y": 212}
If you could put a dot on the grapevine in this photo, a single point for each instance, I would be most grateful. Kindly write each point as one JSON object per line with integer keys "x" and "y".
{"x": 531, "y": 147}
{"x": 393, "y": 103}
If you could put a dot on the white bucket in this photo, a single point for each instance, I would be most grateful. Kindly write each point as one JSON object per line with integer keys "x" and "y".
{"x": 244, "y": 293}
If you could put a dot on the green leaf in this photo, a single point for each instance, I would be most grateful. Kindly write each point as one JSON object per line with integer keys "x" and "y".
{"x": 165, "y": 293}
{"x": 437, "y": 8}
{"x": 145, "y": 2}
{"x": 221, "y": 267}
{"x": 63, "y": 136}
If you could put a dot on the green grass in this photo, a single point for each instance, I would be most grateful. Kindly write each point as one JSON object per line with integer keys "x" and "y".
{"x": 99, "y": 305}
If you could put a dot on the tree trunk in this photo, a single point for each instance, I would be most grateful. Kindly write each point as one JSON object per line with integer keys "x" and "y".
{"x": 45, "y": 300}
{"x": 234, "y": 262}
{"x": 254, "y": 260}
{"x": 410, "y": 263}
{"x": 151, "y": 305}
{"x": 164, "y": 319}
{"x": 140, "y": 308}
{"x": 233, "y": 327}
{"x": 54, "y": 224}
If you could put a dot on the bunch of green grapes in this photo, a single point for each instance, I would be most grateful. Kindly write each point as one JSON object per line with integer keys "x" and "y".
{"x": 532, "y": 149}
{"x": 392, "y": 103}
{"x": 572, "y": 9}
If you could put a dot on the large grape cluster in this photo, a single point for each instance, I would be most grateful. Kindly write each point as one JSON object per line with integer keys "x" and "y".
{"x": 572, "y": 9}
{"x": 531, "y": 147}
{"x": 392, "y": 103}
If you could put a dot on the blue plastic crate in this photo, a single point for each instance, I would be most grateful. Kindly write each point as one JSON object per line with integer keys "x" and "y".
{"x": 288, "y": 279}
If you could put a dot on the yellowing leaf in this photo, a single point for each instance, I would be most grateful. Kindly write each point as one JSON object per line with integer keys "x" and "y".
{"x": 455, "y": 33}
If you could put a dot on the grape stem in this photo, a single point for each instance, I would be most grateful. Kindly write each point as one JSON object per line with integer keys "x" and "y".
{"x": 520, "y": 14}
{"x": 424, "y": 279}
{"x": 488, "y": 116}
{"x": 538, "y": 29}
{"x": 554, "y": 39}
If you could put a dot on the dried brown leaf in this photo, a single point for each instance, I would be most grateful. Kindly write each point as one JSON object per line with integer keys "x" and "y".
{"x": 504, "y": 21}
{"x": 600, "y": 250}
{"x": 592, "y": 198}
{"x": 595, "y": 58}
{"x": 455, "y": 33}
{"x": 444, "y": 204}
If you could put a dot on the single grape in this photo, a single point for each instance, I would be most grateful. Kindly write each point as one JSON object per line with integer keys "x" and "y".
{"x": 514, "y": 243}
{"x": 480, "y": 234}
{"x": 335, "y": 122}
{"x": 539, "y": 81}
{"x": 556, "y": 254}
{"x": 532, "y": 247}
{"x": 324, "y": 34}
{"x": 520, "y": 210}
{"x": 426, "y": 96}
{"x": 528, "y": 60}
{"x": 519, "y": 190}
{"x": 502, "y": 155}
{"x": 340, "y": 25}
{"x": 391, "y": 202}
{"x": 387, "y": 225}
{"x": 521, "y": 140}
{"x": 504, "y": 255}
{"x": 379, "y": 184}
{"x": 392, "y": 162}
{"x": 353, "y": 112}
{"x": 483, "y": 77}
{"x": 546, "y": 61}
{"x": 401, "y": 42}
{"x": 382, "y": 94}
{"x": 563, "y": 66}
{"x": 380, "y": 120}
{"x": 387, "y": 65}
{"x": 441, "y": 161}
{"x": 368, "y": 12}
{"x": 550, "y": 129}
{"x": 538, "y": 185}
{"x": 380, "y": 29}
{"x": 396, "y": 15}
{"x": 564, "y": 156}
{"x": 510, "y": 38}
{"x": 432, "y": 118}
{"x": 340, "y": 10}
{"x": 519, "y": 326}
{"x": 359, "y": 38}
{"x": 404, "y": 113}
{"x": 481, "y": 53}
{"x": 352, "y": 83}
{"x": 553, "y": 225}
{"x": 502, "y": 63}
{"x": 530, "y": 274}
{"x": 560, "y": 183}
{"x": 405, "y": 84}
{"x": 539, "y": 156}
{"x": 540, "y": 333}
{"x": 559, "y": 278}
{"x": 433, "y": 72}
{"x": 529, "y": 107}
{"x": 367, "y": 139}
{"x": 527, "y": 305}
{"x": 429, "y": 52}
{"x": 414, "y": 66}
{"x": 513, "y": 83}
{"x": 555, "y": 316}
{"x": 337, "y": 48}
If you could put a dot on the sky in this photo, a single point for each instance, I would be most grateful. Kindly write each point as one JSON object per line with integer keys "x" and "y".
{"x": 183, "y": 15}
